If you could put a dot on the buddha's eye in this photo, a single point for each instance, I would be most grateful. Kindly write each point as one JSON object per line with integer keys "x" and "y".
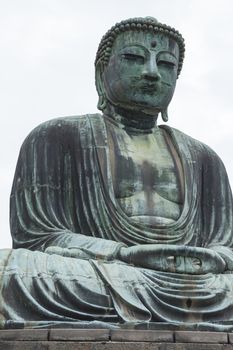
{"x": 165, "y": 63}
{"x": 133, "y": 58}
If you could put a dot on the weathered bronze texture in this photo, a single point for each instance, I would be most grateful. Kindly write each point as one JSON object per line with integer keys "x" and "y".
{"x": 115, "y": 220}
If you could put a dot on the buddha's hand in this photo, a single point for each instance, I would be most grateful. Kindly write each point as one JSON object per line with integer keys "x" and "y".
{"x": 172, "y": 258}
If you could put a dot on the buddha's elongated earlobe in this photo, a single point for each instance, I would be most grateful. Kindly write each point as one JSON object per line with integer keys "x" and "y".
{"x": 102, "y": 102}
{"x": 164, "y": 114}
{"x": 100, "y": 87}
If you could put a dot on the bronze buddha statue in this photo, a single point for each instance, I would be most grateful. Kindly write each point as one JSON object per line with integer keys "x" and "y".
{"x": 115, "y": 219}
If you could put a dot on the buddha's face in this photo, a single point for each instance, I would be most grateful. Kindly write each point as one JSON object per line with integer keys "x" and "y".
{"x": 142, "y": 71}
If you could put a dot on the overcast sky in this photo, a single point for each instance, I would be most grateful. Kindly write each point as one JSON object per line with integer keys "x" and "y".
{"x": 47, "y": 53}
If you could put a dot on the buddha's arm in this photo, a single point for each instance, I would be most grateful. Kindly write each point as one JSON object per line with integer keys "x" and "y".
{"x": 82, "y": 246}
{"x": 217, "y": 207}
{"x": 172, "y": 258}
{"x": 227, "y": 255}
{"x": 49, "y": 199}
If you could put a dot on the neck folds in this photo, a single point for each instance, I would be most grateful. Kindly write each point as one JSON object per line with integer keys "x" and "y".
{"x": 132, "y": 121}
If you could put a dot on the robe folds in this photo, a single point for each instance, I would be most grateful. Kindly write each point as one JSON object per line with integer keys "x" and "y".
{"x": 63, "y": 196}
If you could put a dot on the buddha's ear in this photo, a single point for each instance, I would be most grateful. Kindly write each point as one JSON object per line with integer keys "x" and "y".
{"x": 99, "y": 71}
{"x": 164, "y": 114}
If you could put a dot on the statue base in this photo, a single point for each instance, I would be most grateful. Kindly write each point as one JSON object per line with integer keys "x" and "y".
{"x": 105, "y": 339}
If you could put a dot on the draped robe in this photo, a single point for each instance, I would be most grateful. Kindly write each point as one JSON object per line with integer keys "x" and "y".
{"x": 63, "y": 196}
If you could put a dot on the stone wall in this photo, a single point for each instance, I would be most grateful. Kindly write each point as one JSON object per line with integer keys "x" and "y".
{"x": 101, "y": 339}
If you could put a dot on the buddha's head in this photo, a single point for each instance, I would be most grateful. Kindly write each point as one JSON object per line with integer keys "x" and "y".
{"x": 137, "y": 64}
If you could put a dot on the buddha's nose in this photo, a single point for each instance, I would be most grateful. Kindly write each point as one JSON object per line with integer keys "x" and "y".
{"x": 151, "y": 71}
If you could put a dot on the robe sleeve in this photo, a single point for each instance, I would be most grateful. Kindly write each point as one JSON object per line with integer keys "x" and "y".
{"x": 217, "y": 207}
{"x": 47, "y": 208}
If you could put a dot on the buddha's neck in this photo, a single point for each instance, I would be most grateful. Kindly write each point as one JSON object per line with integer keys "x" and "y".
{"x": 134, "y": 122}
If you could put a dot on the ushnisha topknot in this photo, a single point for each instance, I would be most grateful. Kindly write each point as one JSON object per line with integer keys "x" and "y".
{"x": 147, "y": 24}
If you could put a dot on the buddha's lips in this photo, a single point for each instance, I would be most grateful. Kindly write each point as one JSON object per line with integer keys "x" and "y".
{"x": 151, "y": 87}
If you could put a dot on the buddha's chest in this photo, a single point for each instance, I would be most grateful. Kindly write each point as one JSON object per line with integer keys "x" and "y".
{"x": 144, "y": 163}
{"x": 144, "y": 169}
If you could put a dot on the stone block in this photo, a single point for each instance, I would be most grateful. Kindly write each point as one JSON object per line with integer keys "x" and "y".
{"x": 230, "y": 338}
{"x": 133, "y": 346}
{"x": 76, "y": 345}
{"x": 201, "y": 337}
{"x": 142, "y": 336}
{"x": 24, "y": 334}
{"x": 24, "y": 345}
{"x": 105, "y": 346}
{"x": 79, "y": 334}
{"x": 188, "y": 346}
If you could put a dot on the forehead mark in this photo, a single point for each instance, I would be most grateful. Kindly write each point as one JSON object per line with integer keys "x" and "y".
{"x": 153, "y": 43}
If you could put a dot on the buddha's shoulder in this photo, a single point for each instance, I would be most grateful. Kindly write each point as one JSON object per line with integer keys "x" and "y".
{"x": 194, "y": 145}
{"x": 64, "y": 127}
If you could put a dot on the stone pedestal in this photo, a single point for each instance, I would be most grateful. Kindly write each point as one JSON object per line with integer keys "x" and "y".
{"x": 103, "y": 339}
